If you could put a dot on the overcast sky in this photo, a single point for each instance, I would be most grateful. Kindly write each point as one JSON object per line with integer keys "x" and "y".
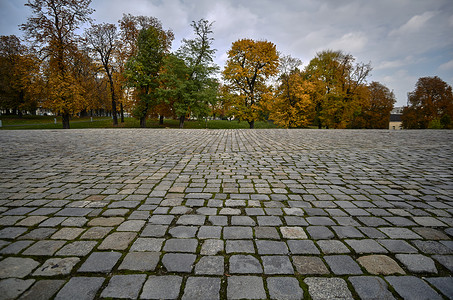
{"x": 403, "y": 39}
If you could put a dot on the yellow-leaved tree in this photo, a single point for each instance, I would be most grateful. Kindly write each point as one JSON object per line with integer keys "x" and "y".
{"x": 292, "y": 105}
{"x": 248, "y": 69}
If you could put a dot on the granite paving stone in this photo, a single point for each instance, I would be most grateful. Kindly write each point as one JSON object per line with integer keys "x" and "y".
{"x": 245, "y": 287}
{"x": 266, "y": 233}
{"x": 16, "y": 247}
{"x": 327, "y": 288}
{"x": 212, "y": 247}
{"x": 95, "y": 233}
{"x": 44, "y": 248}
{"x": 398, "y": 246}
{"x": 238, "y": 246}
{"x": 370, "y": 288}
{"x": 302, "y": 247}
{"x": 140, "y": 261}
{"x": 17, "y": 267}
{"x": 366, "y": 246}
{"x": 161, "y": 287}
{"x": 276, "y": 264}
{"x": 411, "y": 287}
{"x": 77, "y": 248}
{"x": 209, "y": 232}
{"x": 43, "y": 289}
{"x": 269, "y": 213}
{"x": 179, "y": 262}
{"x": 11, "y": 232}
{"x": 57, "y": 266}
{"x": 320, "y": 232}
{"x": 417, "y": 263}
{"x": 11, "y": 288}
{"x": 244, "y": 264}
{"x": 100, "y": 262}
{"x": 332, "y": 247}
{"x": 284, "y": 288}
{"x": 445, "y": 260}
{"x": 117, "y": 241}
{"x": 202, "y": 288}
{"x": 310, "y": 265}
{"x": 342, "y": 264}
{"x": 432, "y": 247}
{"x": 124, "y": 286}
{"x": 154, "y": 230}
{"x": 83, "y": 288}
{"x": 181, "y": 245}
{"x": 380, "y": 264}
{"x": 210, "y": 265}
{"x": 443, "y": 284}
{"x": 271, "y": 247}
{"x": 237, "y": 232}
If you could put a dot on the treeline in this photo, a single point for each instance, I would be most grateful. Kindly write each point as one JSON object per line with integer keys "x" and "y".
{"x": 128, "y": 67}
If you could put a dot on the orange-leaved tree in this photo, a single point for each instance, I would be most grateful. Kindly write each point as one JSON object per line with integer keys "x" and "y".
{"x": 248, "y": 69}
{"x": 430, "y": 105}
{"x": 53, "y": 25}
{"x": 375, "y": 107}
{"x": 20, "y": 80}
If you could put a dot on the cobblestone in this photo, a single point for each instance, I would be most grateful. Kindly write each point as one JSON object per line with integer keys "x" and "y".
{"x": 231, "y": 214}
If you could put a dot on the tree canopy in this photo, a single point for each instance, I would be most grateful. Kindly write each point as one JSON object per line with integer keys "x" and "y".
{"x": 430, "y": 105}
{"x": 129, "y": 66}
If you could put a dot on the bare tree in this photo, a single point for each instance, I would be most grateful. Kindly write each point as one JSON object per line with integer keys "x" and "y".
{"x": 102, "y": 40}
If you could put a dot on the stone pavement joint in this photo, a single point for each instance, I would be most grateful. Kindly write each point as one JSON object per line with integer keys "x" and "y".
{"x": 226, "y": 214}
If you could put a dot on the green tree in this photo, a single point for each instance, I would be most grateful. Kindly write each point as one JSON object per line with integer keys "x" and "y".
{"x": 430, "y": 105}
{"x": 201, "y": 86}
{"x": 249, "y": 66}
{"x": 142, "y": 69}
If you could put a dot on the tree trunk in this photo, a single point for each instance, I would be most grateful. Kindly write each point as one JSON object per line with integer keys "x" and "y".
{"x": 143, "y": 122}
{"x": 112, "y": 92}
{"x": 181, "y": 121}
{"x": 115, "y": 115}
{"x": 65, "y": 120}
{"x": 252, "y": 124}
{"x": 122, "y": 112}
{"x": 161, "y": 120}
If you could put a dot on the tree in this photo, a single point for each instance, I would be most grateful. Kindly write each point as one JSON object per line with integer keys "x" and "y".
{"x": 53, "y": 26}
{"x": 429, "y": 105}
{"x": 338, "y": 85}
{"x": 292, "y": 105}
{"x": 376, "y": 107}
{"x": 201, "y": 88}
{"x": 102, "y": 40}
{"x": 249, "y": 66}
{"x": 130, "y": 27}
{"x": 142, "y": 69}
{"x": 20, "y": 80}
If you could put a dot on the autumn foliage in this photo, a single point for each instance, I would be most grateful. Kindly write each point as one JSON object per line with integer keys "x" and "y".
{"x": 430, "y": 105}
{"x": 129, "y": 67}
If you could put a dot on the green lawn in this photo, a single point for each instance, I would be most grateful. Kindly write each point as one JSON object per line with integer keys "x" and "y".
{"x": 47, "y": 122}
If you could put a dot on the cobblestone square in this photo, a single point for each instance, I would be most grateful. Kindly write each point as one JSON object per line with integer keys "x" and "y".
{"x": 226, "y": 214}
